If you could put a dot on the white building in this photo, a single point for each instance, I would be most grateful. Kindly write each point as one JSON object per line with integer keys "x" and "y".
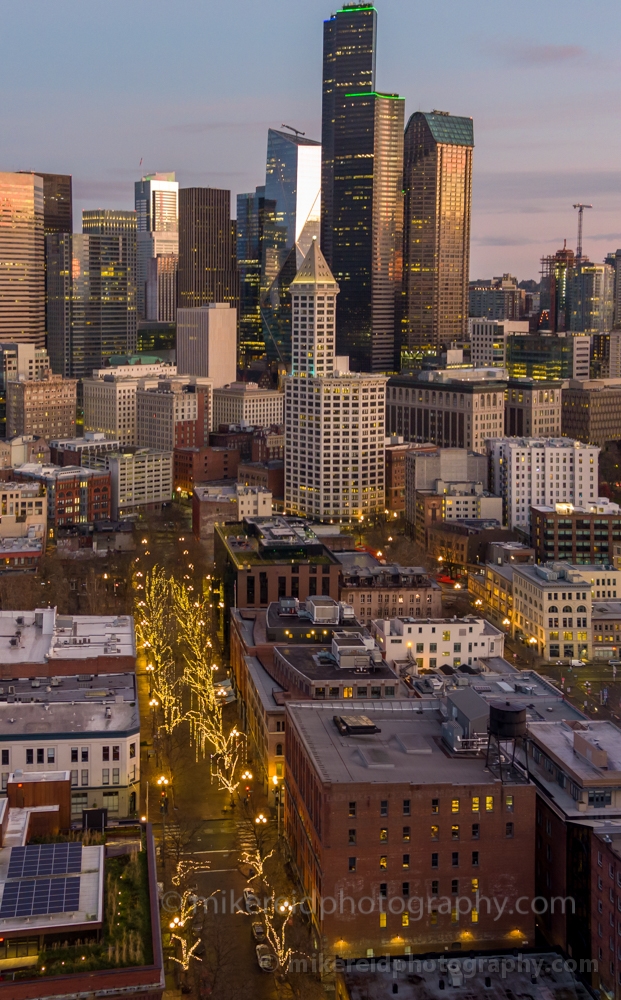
{"x": 468, "y": 500}
{"x": 245, "y": 403}
{"x": 23, "y": 510}
{"x": 216, "y": 504}
{"x": 529, "y": 471}
{"x": 174, "y": 413}
{"x": 157, "y": 224}
{"x": 488, "y": 339}
{"x": 334, "y": 420}
{"x": 139, "y": 477}
{"x": 207, "y": 342}
{"x": 552, "y": 610}
{"x": 430, "y": 643}
{"x": 110, "y": 405}
{"x": 90, "y": 728}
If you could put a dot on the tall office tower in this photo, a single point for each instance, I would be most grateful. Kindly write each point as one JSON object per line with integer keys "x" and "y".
{"x": 614, "y": 259}
{"x": 57, "y": 203}
{"x": 157, "y": 217}
{"x": 362, "y": 178}
{"x": 590, "y": 295}
{"x": 334, "y": 419}
{"x": 349, "y": 38}
{"x": 161, "y": 287}
{"x": 58, "y": 285}
{"x": 207, "y": 261}
{"x": 553, "y": 301}
{"x": 109, "y": 222}
{"x": 250, "y": 216}
{"x": 207, "y": 343}
{"x": 437, "y": 179}
{"x": 292, "y": 210}
{"x": 22, "y": 259}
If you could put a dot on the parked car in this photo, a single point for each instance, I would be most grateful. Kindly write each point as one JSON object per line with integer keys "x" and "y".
{"x": 266, "y": 958}
{"x": 258, "y": 931}
{"x": 251, "y": 901}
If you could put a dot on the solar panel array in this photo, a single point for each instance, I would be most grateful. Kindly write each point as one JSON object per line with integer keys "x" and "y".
{"x": 45, "y": 859}
{"x": 31, "y": 897}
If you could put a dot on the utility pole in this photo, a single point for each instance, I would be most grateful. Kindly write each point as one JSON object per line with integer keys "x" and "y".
{"x": 581, "y": 209}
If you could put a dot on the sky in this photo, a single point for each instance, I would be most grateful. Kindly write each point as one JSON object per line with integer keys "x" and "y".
{"x": 92, "y": 89}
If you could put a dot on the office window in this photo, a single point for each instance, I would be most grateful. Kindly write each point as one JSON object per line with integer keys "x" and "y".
{"x": 435, "y": 805}
{"x": 454, "y": 805}
{"x": 85, "y": 777}
{"x": 382, "y": 919}
{"x": 455, "y": 859}
{"x": 454, "y": 832}
{"x": 30, "y": 756}
{"x": 406, "y": 807}
{"x": 352, "y": 865}
{"x": 74, "y": 755}
{"x": 40, "y": 755}
{"x": 476, "y": 803}
{"x": 383, "y": 861}
{"x": 351, "y": 837}
{"x": 51, "y": 755}
{"x": 435, "y": 832}
{"x": 132, "y": 750}
{"x": 384, "y": 807}
{"x": 405, "y": 888}
{"x": 508, "y": 829}
{"x": 434, "y": 860}
{"x": 352, "y": 808}
{"x": 406, "y": 860}
{"x": 475, "y": 831}
{"x": 509, "y": 803}
{"x": 105, "y": 776}
{"x": 111, "y": 801}
{"x": 115, "y": 775}
{"x": 455, "y": 887}
{"x": 405, "y": 919}
{"x": 406, "y": 833}
{"x": 474, "y": 916}
{"x": 489, "y": 803}
{"x": 383, "y": 888}
{"x": 74, "y": 778}
{"x": 116, "y": 753}
{"x": 105, "y": 753}
{"x": 475, "y": 859}
{"x": 5, "y": 758}
{"x": 84, "y": 755}
{"x": 474, "y": 885}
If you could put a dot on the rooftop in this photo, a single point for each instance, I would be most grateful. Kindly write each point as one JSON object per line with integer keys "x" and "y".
{"x": 318, "y": 663}
{"x": 273, "y": 539}
{"x": 548, "y": 573}
{"x": 605, "y": 610}
{"x": 96, "y": 704}
{"x": 541, "y": 442}
{"x": 15, "y": 546}
{"x": 406, "y": 750}
{"x": 561, "y": 741}
{"x": 43, "y": 635}
{"x": 600, "y": 506}
{"x": 265, "y": 685}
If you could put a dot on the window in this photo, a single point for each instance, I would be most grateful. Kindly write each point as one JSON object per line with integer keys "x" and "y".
{"x": 384, "y": 807}
{"x": 74, "y": 778}
{"x": 435, "y": 887}
{"x": 454, "y": 805}
{"x": 85, "y": 777}
{"x": 476, "y": 803}
{"x": 105, "y": 753}
{"x": 382, "y": 919}
{"x": 433, "y": 917}
{"x": 383, "y": 861}
{"x": 111, "y": 801}
{"x": 30, "y": 756}
{"x": 351, "y": 837}
{"x": 115, "y": 776}
{"x": 474, "y": 885}
{"x": 352, "y": 809}
{"x": 435, "y": 832}
{"x": 132, "y": 750}
{"x": 352, "y": 865}
{"x": 279, "y": 749}
{"x": 509, "y": 803}
{"x": 455, "y": 832}
{"x": 51, "y": 755}
{"x": 5, "y": 758}
{"x": 383, "y": 888}
{"x": 406, "y": 833}
{"x": 434, "y": 860}
{"x": 40, "y": 755}
{"x": 405, "y": 888}
{"x": 105, "y": 776}
{"x": 383, "y": 834}
{"x": 74, "y": 755}
{"x": 474, "y": 916}
{"x": 489, "y": 803}
{"x": 435, "y": 805}
{"x": 455, "y": 887}
{"x": 406, "y": 807}
{"x": 406, "y": 861}
{"x": 475, "y": 859}
{"x": 84, "y": 755}
{"x": 405, "y": 919}
{"x": 79, "y": 801}
{"x": 508, "y": 829}
{"x": 455, "y": 859}
{"x": 475, "y": 831}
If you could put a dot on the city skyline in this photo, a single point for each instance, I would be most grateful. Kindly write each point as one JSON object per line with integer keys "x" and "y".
{"x": 532, "y": 101}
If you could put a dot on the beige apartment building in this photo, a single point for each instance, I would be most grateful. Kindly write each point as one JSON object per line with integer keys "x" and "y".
{"x": 245, "y": 402}
{"x": 43, "y": 406}
{"x": 23, "y": 510}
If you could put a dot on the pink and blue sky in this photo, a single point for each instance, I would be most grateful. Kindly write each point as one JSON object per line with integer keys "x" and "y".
{"x": 193, "y": 85}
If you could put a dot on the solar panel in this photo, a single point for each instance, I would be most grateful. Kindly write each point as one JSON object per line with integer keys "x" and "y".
{"x": 30, "y": 897}
{"x": 45, "y": 859}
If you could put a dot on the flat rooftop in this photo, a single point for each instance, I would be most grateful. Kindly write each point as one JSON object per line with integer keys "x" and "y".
{"x": 318, "y": 664}
{"x": 604, "y": 610}
{"x": 408, "y": 748}
{"x": 43, "y": 635}
{"x": 276, "y": 619}
{"x": 557, "y": 739}
{"x": 265, "y": 685}
{"x": 96, "y": 704}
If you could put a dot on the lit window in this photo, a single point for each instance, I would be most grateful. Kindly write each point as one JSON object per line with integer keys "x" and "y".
{"x": 454, "y": 805}
{"x": 489, "y": 803}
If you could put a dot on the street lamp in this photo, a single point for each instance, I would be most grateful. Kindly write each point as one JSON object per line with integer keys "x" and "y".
{"x": 153, "y": 704}
{"x": 260, "y": 822}
{"x": 277, "y": 797}
{"x": 150, "y": 669}
{"x": 163, "y": 784}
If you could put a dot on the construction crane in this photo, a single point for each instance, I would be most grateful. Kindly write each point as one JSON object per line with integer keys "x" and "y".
{"x": 292, "y": 129}
{"x": 581, "y": 209}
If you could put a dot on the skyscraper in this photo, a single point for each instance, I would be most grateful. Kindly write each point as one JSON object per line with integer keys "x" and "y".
{"x": 22, "y": 259}
{"x": 57, "y": 203}
{"x": 590, "y": 295}
{"x": 92, "y": 293}
{"x": 250, "y": 216}
{"x": 292, "y": 208}
{"x": 436, "y": 245}
{"x": 207, "y": 259}
{"x": 362, "y": 178}
{"x": 157, "y": 217}
{"x": 334, "y": 419}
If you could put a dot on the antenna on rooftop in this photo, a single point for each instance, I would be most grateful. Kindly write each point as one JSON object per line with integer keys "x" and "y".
{"x": 581, "y": 209}
{"x": 292, "y": 129}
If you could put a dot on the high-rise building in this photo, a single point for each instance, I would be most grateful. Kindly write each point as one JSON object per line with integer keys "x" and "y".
{"x": 57, "y": 203}
{"x": 157, "y": 217}
{"x": 334, "y": 418}
{"x": 553, "y": 302}
{"x": 174, "y": 413}
{"x": 544, "y": 355}
{"x": 19, "y": 361}
{"x": 614, "y": 259}
{"x": 250, "y": 217}
{"x": 436, "y": 245}
{"x": 498, "y": 298}
{"x": 207, "y": 342}
{"x": 291, "y": 220}
{"x": 45, "y": 406}
{"x": 109, "y": 222}
{"x": 362, "y": 190}
{"x": 22, "y": 259}
{"x": 207, "y": 256}
{"x": 591, "y": 297}
{"x": 58, "y": 289}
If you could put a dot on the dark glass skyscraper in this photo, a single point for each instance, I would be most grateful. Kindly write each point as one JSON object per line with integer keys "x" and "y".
{"x": 362, "y": 178}
{"x": 250, "y": 212}
{"x": 57, "y": 203}
{"x": 437, "y": 179}
{"x": 207, "y": 261}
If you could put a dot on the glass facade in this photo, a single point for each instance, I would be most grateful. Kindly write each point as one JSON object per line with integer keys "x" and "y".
{"x": 22, "y": 259}
{"x": 57, "y": 203}
{"x": 436, "y": 244}
{"x": 156, "y": 198}
{"x": 207, "y": 255}
{"x": 250, "y": 214}
{"x": 291, "y": 219}
{"x": 553, "y": 299}
{"x": 590, "y": 294}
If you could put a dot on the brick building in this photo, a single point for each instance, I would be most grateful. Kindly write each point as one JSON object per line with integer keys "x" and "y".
{"x": 234, "y": 437}
{"x": 75, "y": 495}
{"x": 393, "y": 858}
{"x": 202, "y": 465}
{"x": 45, "y": 406}
{"x": 592, "y": 410}
{"x": 464, "y": 543}
{"x": 270, "y": 475}
{"x": 176, "y": 413}
{"x": 584, "y": 534}
{"x": 376, "y": 590}
{"x": 394, "y": 458}
{"x": 227, "y": 505}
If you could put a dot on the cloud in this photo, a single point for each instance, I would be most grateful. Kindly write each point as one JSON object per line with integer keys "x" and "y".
{"x": 503, "y": 241}
{"x": 528, "y": 54}
{"x": 196, "y": 128}
{"x": 605, "y": 237}
{"x": 575, "y": 185}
